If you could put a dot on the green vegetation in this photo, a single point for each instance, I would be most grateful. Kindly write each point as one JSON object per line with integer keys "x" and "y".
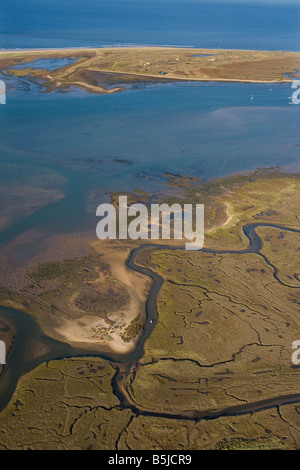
{"x": 65, "y": 269}
{"x": 132, "y": 330}
{"x": 66, "y": 404}
{"x": 263, "y": 443}
{"x": 226, "y": 322}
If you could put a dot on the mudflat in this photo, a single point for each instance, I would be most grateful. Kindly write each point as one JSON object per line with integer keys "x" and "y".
{"x": 216, "y": 370}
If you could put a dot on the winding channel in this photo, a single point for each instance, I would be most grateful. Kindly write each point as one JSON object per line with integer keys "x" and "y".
{"x": 21, "y": 358}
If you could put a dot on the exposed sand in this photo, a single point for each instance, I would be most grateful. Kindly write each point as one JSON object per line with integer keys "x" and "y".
{"x": 229, "y": 216}
{"x": 98, "y": 89}
{"x": 75, "y": 328}
{"x": 80, "y": 331}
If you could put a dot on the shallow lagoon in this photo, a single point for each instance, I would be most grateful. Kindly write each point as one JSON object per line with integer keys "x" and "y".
{"x": 48, "y": 63}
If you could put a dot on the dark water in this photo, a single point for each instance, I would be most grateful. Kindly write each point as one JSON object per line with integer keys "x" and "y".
{"x": 271, "y": 25}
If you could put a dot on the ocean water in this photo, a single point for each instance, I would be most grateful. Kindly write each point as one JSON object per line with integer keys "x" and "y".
{"x": 272, "y": 25}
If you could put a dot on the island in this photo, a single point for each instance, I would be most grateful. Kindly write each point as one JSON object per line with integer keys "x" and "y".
{"x": 108, "y": 70}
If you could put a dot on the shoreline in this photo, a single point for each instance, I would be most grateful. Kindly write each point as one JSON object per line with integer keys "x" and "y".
{"x": 77, "y": 331}
{"x": 88, "y": 48}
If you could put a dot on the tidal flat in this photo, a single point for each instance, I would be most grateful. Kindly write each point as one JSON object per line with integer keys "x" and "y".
{"x": 215, "y": 371}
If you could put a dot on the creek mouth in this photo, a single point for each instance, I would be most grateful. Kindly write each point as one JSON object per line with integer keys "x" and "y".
{"x": 23, "y": 358}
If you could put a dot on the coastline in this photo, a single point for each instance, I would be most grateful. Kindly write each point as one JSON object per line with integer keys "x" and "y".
{"x": 88, "y": 329}
{"x": 153, "y": 47}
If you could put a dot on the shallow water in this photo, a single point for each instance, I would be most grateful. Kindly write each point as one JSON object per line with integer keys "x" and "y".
{"x": 47, "y": 64}
{"x": 128, "y": 140}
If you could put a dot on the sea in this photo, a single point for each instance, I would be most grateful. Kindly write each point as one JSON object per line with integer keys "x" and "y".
{"x": 239, "y": 24}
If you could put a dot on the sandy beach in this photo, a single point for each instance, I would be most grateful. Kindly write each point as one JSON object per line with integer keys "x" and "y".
{"x": 80, "y": 332}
